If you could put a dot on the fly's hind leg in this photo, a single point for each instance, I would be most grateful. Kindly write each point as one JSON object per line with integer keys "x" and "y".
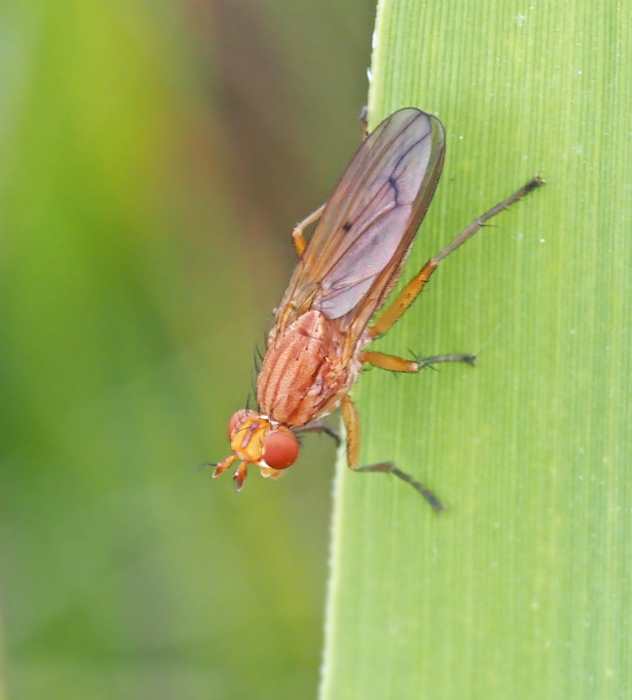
{"x": 403, "y": 300}
{"x": 352, "y": 425}
{"x": 412, "y": 290}
{"x": 364, "y": 122}
{"x": 297, "y": 234}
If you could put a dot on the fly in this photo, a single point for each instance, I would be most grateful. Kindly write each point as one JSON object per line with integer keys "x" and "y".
{"x": 317, "y": 345}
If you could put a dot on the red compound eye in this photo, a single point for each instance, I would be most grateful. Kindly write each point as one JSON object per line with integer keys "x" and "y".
{"x": 280, "y": 450}
{"x": 236, "y": 420}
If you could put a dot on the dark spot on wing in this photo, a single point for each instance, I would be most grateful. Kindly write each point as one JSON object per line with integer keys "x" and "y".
{"x": 347, "y": 226}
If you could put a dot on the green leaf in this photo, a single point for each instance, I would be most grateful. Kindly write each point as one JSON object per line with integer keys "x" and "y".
{"x": 521, "y": 589}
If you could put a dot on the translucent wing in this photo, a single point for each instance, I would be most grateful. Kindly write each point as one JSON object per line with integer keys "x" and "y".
{"x": 356, "y": 252}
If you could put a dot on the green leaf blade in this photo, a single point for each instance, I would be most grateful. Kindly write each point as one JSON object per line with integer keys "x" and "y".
{"x": 521, "y": 588}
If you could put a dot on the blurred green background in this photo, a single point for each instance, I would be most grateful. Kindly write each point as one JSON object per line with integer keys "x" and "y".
{"x": 153, "y": 160}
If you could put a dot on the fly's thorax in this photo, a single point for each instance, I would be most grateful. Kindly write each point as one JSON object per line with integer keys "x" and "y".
{"x": 257, "y": 439}
{"x": 303, "y": 370}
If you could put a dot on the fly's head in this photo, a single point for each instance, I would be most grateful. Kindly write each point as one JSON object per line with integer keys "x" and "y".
{"x": 258, "y": 439}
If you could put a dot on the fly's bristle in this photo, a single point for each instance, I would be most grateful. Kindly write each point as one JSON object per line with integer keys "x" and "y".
{"x": 253, "y": 393}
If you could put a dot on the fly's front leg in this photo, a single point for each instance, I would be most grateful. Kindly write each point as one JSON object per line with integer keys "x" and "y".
{"x": 297, "y": 234}
{"x": 320, "y": 427}
{"x": 352, "y": 425}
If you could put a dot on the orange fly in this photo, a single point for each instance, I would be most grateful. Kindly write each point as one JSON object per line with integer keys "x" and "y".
{"x": 354, "y": 258}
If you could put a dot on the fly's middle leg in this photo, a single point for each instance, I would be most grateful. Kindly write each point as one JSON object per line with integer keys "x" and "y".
{"x": 352, "y": 425}
{"x": 399, "y": 364}
{"x": 297, "y": 234}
